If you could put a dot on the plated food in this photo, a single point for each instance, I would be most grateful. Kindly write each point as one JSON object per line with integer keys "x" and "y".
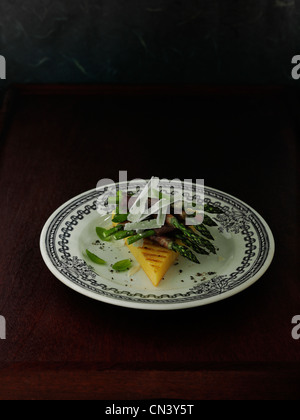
{"x": 111, "y": 271}
{"x": 158, "y": 240}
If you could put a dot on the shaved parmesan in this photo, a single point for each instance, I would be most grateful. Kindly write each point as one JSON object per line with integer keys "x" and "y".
{"x": 143, "y": 225}
{"x": 139, "y": 207}
{"x": 134, "y": 270}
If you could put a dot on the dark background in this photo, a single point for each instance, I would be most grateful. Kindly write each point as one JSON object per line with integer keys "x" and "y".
{"x": 149, "y": 41}
{"x": 58, "y": 141}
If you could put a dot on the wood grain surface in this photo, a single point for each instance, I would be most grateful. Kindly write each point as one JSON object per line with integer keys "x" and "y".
{"x": 58, "y": 142}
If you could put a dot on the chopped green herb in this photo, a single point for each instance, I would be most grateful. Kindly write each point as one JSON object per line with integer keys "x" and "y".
{"x": 122, "y": 265}
{"x": 94, "y": 258}
{"x": 120, "y": 218}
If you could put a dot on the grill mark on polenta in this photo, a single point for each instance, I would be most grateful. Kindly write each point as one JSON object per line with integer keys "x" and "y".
{"x": 151, "y": 245}
{"x": 154, "y": 255}
{"x": 154, "y": 259}
{"x": 158, "y": 258}
{"x": 154, "y": 263}
{"x": 156, "y": 250}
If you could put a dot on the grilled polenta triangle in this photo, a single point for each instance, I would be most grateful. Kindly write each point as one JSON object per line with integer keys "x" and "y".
{"x": 154, "y": 259}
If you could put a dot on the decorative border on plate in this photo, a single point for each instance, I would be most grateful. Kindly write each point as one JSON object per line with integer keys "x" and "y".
{"x": 237, "y": 218}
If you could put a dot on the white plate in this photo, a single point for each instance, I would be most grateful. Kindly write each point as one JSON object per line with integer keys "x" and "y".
{"x": 245, "y": 250}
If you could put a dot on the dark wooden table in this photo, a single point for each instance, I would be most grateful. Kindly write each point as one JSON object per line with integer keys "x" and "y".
{"x": 58, "y": 141}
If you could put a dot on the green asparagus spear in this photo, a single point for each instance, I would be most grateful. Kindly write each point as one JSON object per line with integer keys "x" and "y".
{"x": 132, "y": 239}
{"x": 191, "y": 244}
{"x": 189, "y": 234}
{"x": 184, "y": 251}
{"x": 168, "y": 243}
{"x": 124, "y": 234}
{"x": 208, "y": 221}
{"x": 206, "y": 244}
{"x": 204, "y": 231}
{"x": 106, "y": 234}
{"x": 209, "y": 208}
